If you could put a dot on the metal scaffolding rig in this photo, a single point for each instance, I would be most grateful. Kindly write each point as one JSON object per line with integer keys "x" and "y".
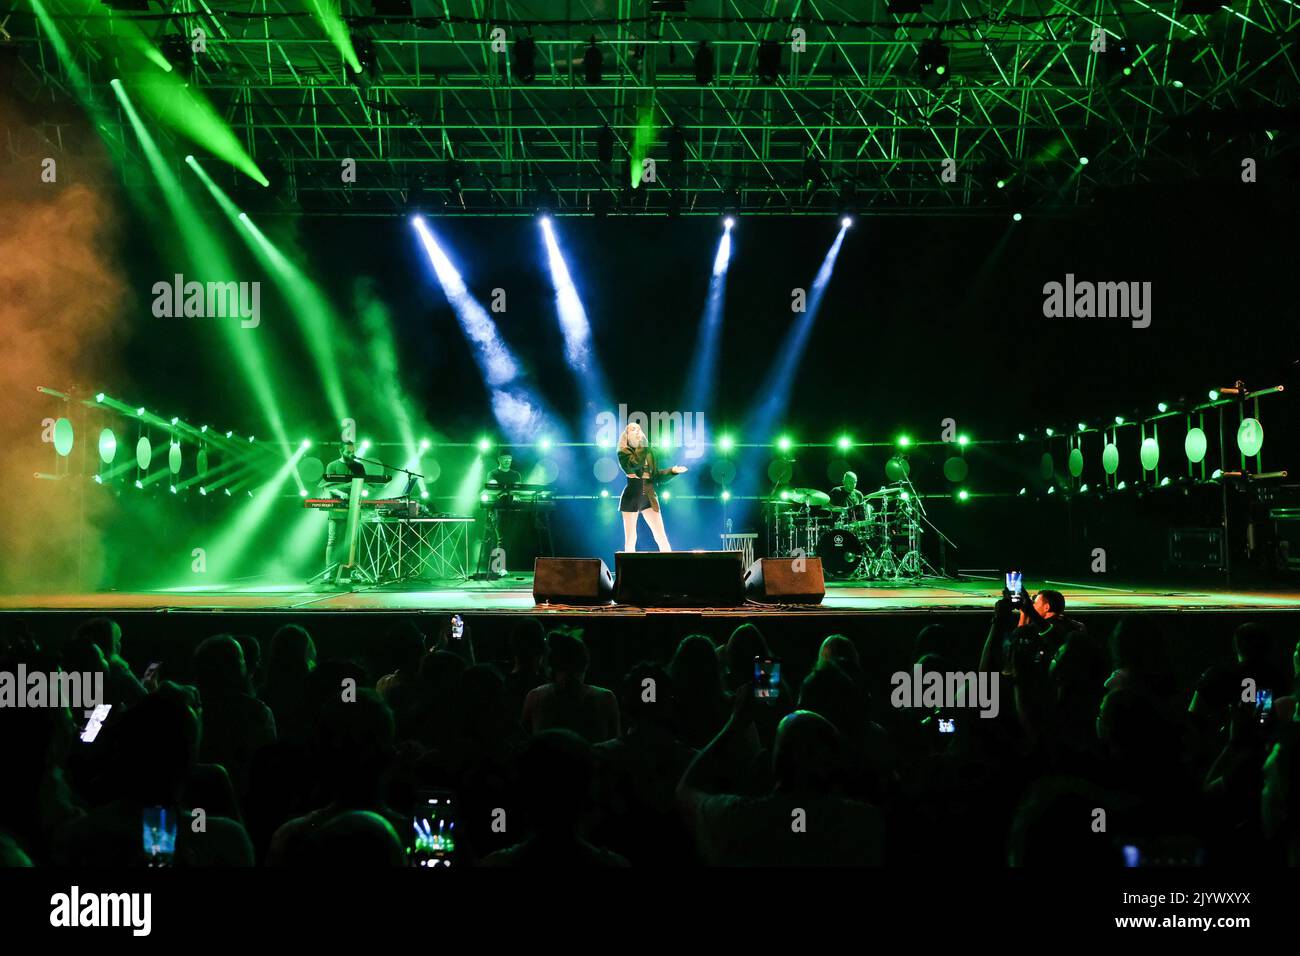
{"x": 812, "y": 107}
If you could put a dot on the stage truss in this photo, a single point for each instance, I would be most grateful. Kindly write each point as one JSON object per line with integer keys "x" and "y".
{"x": 442, "y": 120}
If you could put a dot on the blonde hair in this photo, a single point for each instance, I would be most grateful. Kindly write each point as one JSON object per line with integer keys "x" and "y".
{"x": 625, "y": 446}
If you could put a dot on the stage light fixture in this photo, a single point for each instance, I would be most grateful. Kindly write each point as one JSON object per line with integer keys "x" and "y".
{"x": 605, "y": 144}
{"x": 1214, "y": 395}
{"x": 306, "y": 443}
{"x": 932, "y": 60}
{"x": 424, "y": 444}
{"x": 484, "y": 445}
{"x": 544, "y": 444}
{"x": 604, "y": 492}
{"x": 703, "y": 63}
{"x": 523, "y": 60}
{"x": 784, "y": 443}
{"x": 676, "y": 146}
{"x": 1020, "y": 436}
{"x": 1016, "y": 217}
{"x": 963, "y": 440}
{"x": 175, "y": 420}
{"x": 729, "y": 221}
{"x": 1082, "y": 427}
{"x": 844, "y": 443}
{"x": 140, "y": 411}
{"x": 365, "y": 54}
{"x": 846, "y": 222}
{"x": 725, "y": 496}
{"x": 1119, "y": 419}
{"x": 768, "y": 61}
{"x": 1162, "y": 407}
{"x": 1117, "y": 56}
{"x": 1049, "y": 432}
{"x": 1083, "y": 160}
{"x": 726, "y": 443}
{"x": 302, "y": 492}
{"x": 963, "y": 495}
{"x": 593, "y": 64}
{"x": 904, "y": 441}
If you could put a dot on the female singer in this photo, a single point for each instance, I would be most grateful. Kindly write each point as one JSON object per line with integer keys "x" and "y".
{"x": 638, "y": 463}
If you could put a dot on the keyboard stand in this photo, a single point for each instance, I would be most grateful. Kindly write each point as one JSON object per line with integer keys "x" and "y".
{"x": 356, "y": 574}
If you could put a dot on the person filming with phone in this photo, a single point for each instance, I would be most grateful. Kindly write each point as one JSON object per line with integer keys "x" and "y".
{"x": 1020, "y": 624}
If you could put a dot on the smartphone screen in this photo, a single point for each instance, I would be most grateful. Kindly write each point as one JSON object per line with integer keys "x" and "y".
{"x": 150, "y": 678}
{"x": 1263, "y": 704}
{"x": 1016, "y": 585}
{"x": 159, "y": 835}
{"x": 434, "y": 828}
{"x": 95, "y": 723}
{"x": 457, "y": 627}
{"x": 767, "y": 678}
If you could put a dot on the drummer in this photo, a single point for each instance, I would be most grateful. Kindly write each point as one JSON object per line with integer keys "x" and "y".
{"x": 851, "y": 503}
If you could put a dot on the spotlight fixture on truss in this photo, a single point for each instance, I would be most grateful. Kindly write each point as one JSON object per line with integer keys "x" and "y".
{"x": 768, "y": 62}
{"x": 932, "y": 61}
{"x": 593, "y": 64}
{"x": 523, "y": 60}
{"x": 703, "y": 63}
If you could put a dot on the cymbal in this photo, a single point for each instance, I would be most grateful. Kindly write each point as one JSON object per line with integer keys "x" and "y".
{"x": 809, "y": 496}
{"x": 884, "y": 492}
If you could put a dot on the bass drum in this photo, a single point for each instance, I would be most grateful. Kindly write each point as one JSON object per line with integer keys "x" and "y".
{"x": 840, "y": 551}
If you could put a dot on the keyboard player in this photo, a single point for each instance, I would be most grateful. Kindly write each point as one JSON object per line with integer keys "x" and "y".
{"x": 336, "y": 541}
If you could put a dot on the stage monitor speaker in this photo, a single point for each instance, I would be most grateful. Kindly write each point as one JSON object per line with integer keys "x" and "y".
{"x": 778, "y": 580}
{"x": 679, "y": 578}
{"x": 572, "y": 581}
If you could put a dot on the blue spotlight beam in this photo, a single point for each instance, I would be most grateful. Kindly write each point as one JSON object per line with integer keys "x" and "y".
{"x": 702, "y": 378}
{"x": 576, "y": 329}
{"x": 519, "y": 411}
{"x": 780, "y": 379}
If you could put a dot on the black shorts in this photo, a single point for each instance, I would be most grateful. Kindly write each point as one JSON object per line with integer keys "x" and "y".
{"x": 638, "y": 496}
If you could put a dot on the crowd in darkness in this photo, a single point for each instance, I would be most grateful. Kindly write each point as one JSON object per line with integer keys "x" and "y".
{"x": 1097, "y": 757}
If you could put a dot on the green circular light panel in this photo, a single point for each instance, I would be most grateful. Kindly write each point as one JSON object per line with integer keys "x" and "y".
{"x": 1195, "y": 445}
{"x": 107, "y": 446}
{"x": 1076, "y": 462}
{"x": 1150, "y": 454}
{"x": 143, "y": 454}
{"x": 63, "y": 436}
{"x": 1250, "y": 437}
{"x": 1110, "y": 459}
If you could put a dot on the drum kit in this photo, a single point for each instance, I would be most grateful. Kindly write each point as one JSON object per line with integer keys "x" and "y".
{"x": 876, "y": 540}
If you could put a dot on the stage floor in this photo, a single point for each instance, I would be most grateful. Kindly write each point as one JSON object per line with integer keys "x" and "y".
{"x": 513, "y": 595}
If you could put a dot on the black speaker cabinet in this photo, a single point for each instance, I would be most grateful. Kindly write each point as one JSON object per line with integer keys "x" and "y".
{"x": 679, "y": 578}
{"x": 572, "y": 581}
{"x": 778, "y": 581}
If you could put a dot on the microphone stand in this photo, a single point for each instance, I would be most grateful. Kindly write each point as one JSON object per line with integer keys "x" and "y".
{"x": 411, "y": 476}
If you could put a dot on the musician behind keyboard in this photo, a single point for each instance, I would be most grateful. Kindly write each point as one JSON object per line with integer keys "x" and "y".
{"x": 336, "y": 541}
{"x": 505, "y": 477}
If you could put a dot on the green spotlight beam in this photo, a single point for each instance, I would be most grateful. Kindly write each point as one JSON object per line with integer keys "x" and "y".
{"x": 314, "y": 314}
{"x": 227, "y": 552}
{"x": 168, "y": 96}
{"x": 330, "y": 17}
{"x": 208, "y": 255}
